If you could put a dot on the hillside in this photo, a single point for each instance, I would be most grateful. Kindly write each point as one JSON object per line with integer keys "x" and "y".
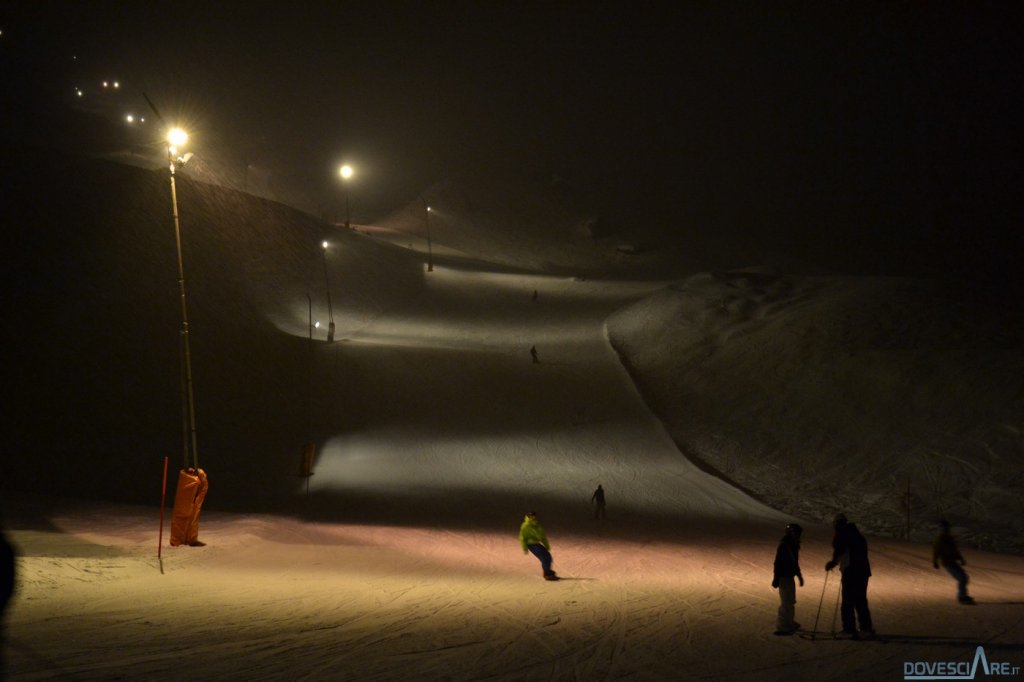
{"x": 813, "y": 393}
{"x": 820, "y": 393}
{"x": 93, "y": 321}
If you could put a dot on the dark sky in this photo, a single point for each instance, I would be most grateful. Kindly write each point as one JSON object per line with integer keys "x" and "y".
{"x": 820, "y": 104}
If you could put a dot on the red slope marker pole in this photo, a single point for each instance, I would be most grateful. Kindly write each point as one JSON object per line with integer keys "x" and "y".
{"x": 163, "y": 500}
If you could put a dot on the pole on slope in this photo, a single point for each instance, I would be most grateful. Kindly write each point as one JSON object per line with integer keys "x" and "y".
{"x": 835, "y": 611}
{"x": 814, "y": 632}
{"x": 305, "y": 469}
{"x": 163, "y": 502}
{"x": 191, "y": 452}
{"x": 330, "y": 308}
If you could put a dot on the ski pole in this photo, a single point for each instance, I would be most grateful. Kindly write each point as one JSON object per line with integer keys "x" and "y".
{"x": 836, "y": 611}
{"x": 814, "y": 632}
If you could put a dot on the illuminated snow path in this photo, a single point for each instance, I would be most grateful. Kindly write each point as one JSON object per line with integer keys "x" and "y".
{"x": 461, "y": 407}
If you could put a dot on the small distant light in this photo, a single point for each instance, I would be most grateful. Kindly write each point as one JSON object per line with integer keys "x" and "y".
{"x": 429, "y": 209}
{"x": 142, "y": 119}
{"x": 317, "y": 325}
{"x": 116, "y": 84}
{"x": 79, "y": 92}
{"x": 106, "y": 84}
{"x": 130, "y": 118}
{"x": 325, "y": 245}
{"x": 346, "y": 171}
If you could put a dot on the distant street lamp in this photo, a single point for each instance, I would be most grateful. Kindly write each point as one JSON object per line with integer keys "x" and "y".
{"x": 346, "y": 173}
{"x": 430, "y": 250}
{"x": 330, "y": 310}
{"x": 177, "y": 138}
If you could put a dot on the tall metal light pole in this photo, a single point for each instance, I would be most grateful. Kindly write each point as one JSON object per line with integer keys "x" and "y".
{"x": 346, "y": 173}
{"x": 330, "y": 309}
{"x": 177, "y": 138}
{"x": 430, "y": 250}
{"x": 192, "y": 481}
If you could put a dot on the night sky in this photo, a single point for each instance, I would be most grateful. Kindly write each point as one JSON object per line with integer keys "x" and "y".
{"x": 883, "y": 117}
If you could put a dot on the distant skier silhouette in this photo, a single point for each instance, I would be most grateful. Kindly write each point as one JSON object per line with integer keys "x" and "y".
{"x": 598, "y": 499}
{"x": 945, "y": 552}
{"x": 533, "y": 354}
{"x": 785, "y": 573}
{"x": 534, "y": 295}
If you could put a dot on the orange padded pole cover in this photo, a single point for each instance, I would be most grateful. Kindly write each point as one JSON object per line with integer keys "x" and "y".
{"x": 197, "y": 505}
{"x": 188, "y": 498}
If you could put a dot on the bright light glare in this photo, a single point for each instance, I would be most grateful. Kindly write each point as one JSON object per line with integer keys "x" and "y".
{"x": 317, "y": 325}
{"x": 130, "y": 118}
{"x": 325, "y": 245}
{"x": 345, "y": 171}
{"x": 177, "y": 137}
{"x": 106, "y": 84}
{"x": 116, "y": 84}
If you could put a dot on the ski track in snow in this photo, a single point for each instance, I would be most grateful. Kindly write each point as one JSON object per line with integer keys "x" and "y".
{"x": 674, "y": 585}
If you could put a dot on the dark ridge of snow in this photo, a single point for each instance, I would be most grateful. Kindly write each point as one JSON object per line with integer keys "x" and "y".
{"x": 826, "y": 394}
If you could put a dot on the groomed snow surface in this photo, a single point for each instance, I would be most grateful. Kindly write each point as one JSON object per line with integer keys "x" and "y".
{"x": 399, "y": 557}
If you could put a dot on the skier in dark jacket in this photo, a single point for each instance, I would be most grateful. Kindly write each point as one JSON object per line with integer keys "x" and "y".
{"x": 850, "y": 553}
{"x": 946, "y": 552}
{"x": 598, "y": 499}
{"x": 787, "y": 571}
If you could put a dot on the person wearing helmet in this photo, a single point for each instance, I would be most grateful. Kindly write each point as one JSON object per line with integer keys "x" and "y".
{"x": 850, "y": 553}
{"x": 787, "y": 572}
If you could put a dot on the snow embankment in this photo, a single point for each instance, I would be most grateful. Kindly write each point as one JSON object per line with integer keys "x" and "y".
{"x": 820, "y": 394}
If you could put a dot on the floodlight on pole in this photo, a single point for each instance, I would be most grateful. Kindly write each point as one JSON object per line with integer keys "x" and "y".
{"x": 346, "y": 173}
{"x": 330, "y": 310}
{"x": 192, "y": 481}
{"x": 430, "y": 250}
{"x": 177, "y": 137}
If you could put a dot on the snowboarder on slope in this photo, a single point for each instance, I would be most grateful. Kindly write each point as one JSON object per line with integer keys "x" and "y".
{"x": 598, "y": 499}
{"x": 850, "y": 553}
{"x": 787, "y": 571}
{"x": 534, "y": 540}
{"x": 945, "y": 552}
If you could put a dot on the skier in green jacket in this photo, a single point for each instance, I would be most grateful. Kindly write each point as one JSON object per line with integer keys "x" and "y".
{"x": 534, "y": 540}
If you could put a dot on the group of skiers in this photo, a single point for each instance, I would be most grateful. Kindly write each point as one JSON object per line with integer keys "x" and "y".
{"x": 850, "y": 554}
